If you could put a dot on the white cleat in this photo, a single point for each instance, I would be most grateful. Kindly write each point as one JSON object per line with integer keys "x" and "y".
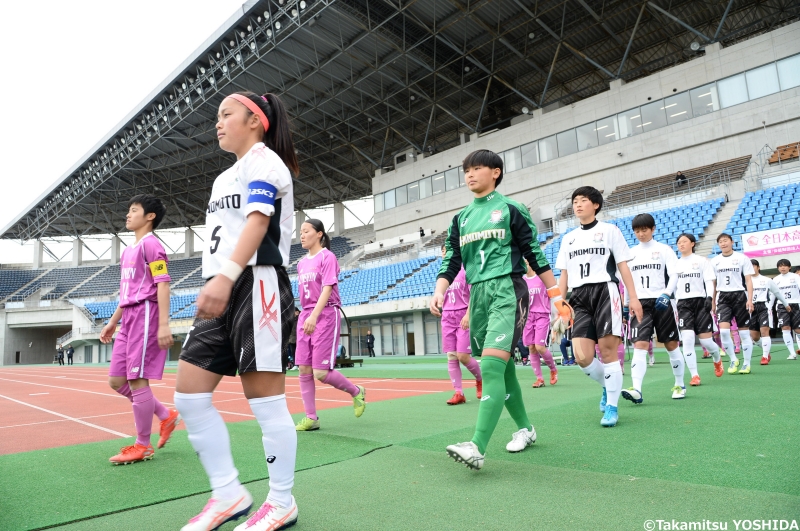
{"x": 678, "y": 392}
{"x": 467, "y": 453}
{"x": 521, "y": 439}
{"x": 792, "y": 357}
{"x": 217, "y": 512}
{"x": 270, "y": 518}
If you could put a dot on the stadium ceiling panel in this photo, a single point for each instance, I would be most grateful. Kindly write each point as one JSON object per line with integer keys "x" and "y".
{"x": 365, "y": 80}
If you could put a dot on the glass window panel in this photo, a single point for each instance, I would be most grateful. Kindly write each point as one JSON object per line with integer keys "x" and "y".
{"x": 789, "y": 72}
{"x": 425, "y": 188}
{"x": 607, "y": 130}
{"x": 399, "y": 340}
{"x": 548, "y": 148}
{"x": 461, "y": 180}
{"x": 438, "y": 183}
{"x": 678, "y": 108}
{"x": 629, "y": 123}
{"x": 378, "y": 202}
{"x": 386, "y": 340}
{"x": 587, "y": 136}
{"x": 567, "y": 143}
{"x": 653, "y": 116}
{"x": 762, "y": 81}
{"x": 413, "y": 192}
{"x": 388, "y": 200}
{"x": 512, "y": 160}
{"x": 704, "y": 99}
{"x": 401, "y": 195}
{"x": 451, "y": 179}
{"x": 432, "y": 337}
{"x": 732, "y": 91}
{"x": 530, "y": 154}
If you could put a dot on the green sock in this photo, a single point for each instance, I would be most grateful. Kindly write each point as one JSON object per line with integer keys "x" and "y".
{"x": 491, "y": 406}
{"x": 514, "y": 403}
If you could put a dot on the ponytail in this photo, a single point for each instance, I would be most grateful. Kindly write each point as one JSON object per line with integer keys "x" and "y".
{"x": 318, "y": 226}
{"x": 278, "y": 137}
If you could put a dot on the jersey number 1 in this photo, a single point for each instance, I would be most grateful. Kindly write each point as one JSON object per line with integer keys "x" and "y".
{"x": 483, "y": 258}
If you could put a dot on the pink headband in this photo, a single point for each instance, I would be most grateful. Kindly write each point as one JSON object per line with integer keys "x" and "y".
{"x": 247, "y": 102}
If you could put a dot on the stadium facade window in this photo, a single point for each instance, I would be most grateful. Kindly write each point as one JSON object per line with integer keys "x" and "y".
{"x": 732, "y": 91}
{"x": 630, "y": 123}
{"x": 587, "y": 136}
{"x": 438, "y": 183}
{"x": 451, "y": 179}
{"x": 678, "y": 108}
{"x": 567, "y": 143}
{"x": 654, "y": 115}
{"x": 789, "y": 72}
{"x": 704, "y": 99}
{"x": 530, "y": 154}
{"x": 388, "y": 200}
{"x": 762, "y": 81}
{"x": 378, "y": 202}
{"x": 401, "y": 195}
{"x": 425, "y": 188}
{"x": 607, "y": 130}
{"x": 433, "y": 338}
{"x": 413, "y": 192}
{"x": 548, "y": 148}
{"x": 512, "y": 160}
{"x": 461, "y": 180}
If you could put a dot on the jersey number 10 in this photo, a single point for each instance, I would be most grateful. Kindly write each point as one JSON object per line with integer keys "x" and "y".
{"x": 584, "y": 270}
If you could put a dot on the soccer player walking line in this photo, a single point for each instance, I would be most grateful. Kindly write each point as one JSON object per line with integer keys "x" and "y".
{"x": 789, "y": 314}
{"x": 536, "y": 335}
{"x": 761, "y": 320}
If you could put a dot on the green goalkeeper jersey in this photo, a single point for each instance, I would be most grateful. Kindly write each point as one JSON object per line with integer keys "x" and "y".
{"x": 490, "y": 236}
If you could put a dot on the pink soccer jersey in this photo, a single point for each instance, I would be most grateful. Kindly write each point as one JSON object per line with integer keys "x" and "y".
{"x": 143, "y": 265}
{"x": 314, "y": 272}
{"x": 457, "y": 295}
{"x": 539, "y": 300}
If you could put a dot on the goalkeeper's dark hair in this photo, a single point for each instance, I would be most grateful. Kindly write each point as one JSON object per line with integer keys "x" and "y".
{"x": 485, "y": 157}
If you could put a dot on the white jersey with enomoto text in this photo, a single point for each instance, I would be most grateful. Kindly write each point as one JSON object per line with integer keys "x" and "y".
{"x": 764, "y": 289}
{"x": 258, "y": 182}
{"x": 691, "y": 274}
{"x": 730, "y": 271}
{"x": 789, "y": 285}
{"x": 590, "y": 254}
{"x": 652, "y": 265}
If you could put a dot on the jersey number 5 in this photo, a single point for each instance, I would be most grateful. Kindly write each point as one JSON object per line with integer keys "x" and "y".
{"x": 216, "y": 239}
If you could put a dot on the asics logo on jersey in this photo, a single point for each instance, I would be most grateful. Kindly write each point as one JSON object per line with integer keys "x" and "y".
{"x": 485, "y": 398}
{"x": 573, "y": 241}
{"x": 269, "y": 314}
{"x": 500, "y": 234}
{"x": 499, "y": 338}
{"x": 228, "y": 201}
{"x": 464, "y": 222}
{"x": 508, "y": 396}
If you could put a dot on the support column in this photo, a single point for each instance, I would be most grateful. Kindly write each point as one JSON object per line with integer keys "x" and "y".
{"x": 116, "y": 244}
{"x": 299, "y": 218}
{"x": 38, "y": 254}
{"x": 188, "y": 246}
{"x": 77, "y": 252}
{"x": 338, "y": 219}
{"x": 419, "y": 334}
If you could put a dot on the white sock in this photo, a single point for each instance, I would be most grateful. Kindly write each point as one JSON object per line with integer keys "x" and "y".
{"x": 798, "y": 340}
{"x": 638, "y": 367}
{"x": 676, "y": 361}
{"x": 766, "y": 344}
{"x": 280, "y": 445}
{"x": 210, "y": 439}
{"x": 727, "y": 343}
{"x": 747, "y": 346}
{"x": 595, "y": 372}
{"x": 712, "y": 347}
{"x": 689, "y": 353}
{"x": 613, "y": 378}
{"x": 787, "y": 340}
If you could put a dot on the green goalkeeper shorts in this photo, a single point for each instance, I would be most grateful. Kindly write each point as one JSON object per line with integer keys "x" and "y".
{"x": 498, "y": 310}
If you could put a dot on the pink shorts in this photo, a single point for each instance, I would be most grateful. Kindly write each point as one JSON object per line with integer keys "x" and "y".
{"x": 319, "y": 349}
{"x": 537, "y": 330}
{"x": 454, "y": 339}
{"x": 136, "y": 353}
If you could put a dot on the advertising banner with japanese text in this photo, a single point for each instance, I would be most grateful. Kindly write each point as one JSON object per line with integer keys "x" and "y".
{"x": 771, "y": 242}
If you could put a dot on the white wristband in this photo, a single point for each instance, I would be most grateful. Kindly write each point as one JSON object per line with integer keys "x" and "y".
{"x": 231, "y": 269}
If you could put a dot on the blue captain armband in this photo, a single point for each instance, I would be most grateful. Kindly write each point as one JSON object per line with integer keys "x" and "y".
{"x": 261, "y": 192}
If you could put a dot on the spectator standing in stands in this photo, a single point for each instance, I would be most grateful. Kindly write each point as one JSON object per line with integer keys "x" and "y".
{"x": 370, "y": 343}
{"x": 70, "y": 352}
{"x": 421, "y": 232}
{"x": 60, "y": 355}
{"x": 680, "y": 179}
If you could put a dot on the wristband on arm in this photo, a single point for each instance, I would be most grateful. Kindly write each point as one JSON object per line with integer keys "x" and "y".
{"x": 231, "y": 269}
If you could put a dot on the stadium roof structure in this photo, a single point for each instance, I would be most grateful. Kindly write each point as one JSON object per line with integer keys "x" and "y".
{"x": 364, "y": 80}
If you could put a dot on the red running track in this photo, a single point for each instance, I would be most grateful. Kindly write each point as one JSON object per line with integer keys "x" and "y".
{"x": 53, "y": 406}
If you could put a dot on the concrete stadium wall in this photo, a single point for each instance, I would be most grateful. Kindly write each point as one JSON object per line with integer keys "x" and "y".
{"x": 725, "y": 134}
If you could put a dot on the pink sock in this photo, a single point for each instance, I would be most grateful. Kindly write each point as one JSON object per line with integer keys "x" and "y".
{"x": 454, "y": 368}
{"x": 536, "y": 363}
{"x": 125, "y": 391}
{"x": 307, "y": 390}
{"x": 159, "y": 410}
{"x": 143, "y": 407}
{"x": 548, "y": 359}
{"x": 650, "y": 349}
{"x": 621, "y": 355}
{"x": 340, "y": 382}
{"x": 475, "y": 368}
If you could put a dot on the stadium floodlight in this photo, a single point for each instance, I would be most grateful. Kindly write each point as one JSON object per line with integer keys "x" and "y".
{"x": 277, "y": 26}
{"x": 258, "y": 19}
{"x": 202, "y": 70}
{"x": 531, "y": 35}
{"x": 266, "y": 15}
{"x": 412, "y": 97}
{"x": 525, "y": 110}
{"x": 225, "y": 67}
{"x": 269, "y": 33}
{"x": 183, "y": 86}
{"x": 160, "y": 107}
{"x": 303, "y": 4}
{"x": 241, "y": 34}
{"x": 249, "y": 28}
{"x": 238, "y": 58}
{"x": 252, "y": 46}
{"x": 233, "y": 43}
{"x": 211, "y": 80}
{"x": 466, "y": 69}
{"x": 695, "y": 46}
{"x": 294, "y": 12}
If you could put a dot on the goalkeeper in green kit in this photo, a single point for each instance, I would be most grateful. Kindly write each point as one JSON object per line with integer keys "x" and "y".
{"x": 492, "y": 237}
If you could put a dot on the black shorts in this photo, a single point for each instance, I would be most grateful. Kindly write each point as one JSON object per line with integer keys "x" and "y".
{"x": 252, "y": 334}
{"x": 761, "y": 318}
{"x": 789, "y": 318}
{"x": 692, "y": 315}
{"x": 598, "y": 311}
{"x": 733, "y": 305}
{"x": 663, "y": 322}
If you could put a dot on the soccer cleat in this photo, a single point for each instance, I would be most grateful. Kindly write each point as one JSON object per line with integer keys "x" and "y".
{"x": 521, "y": 439}
{"x": 603, "y": 401}
{"x": 538, "y": 383}
{"x": 722, "y": 352}
{"x": 769, "y": 357}
{"x": 695, "y": 381}
{"x": 764, "y": 361}
{"x": 633, "y": 395}
{"x": 610, "y": 417}
{"x": 133, "y": 454}
{"x": 359, "y": 401}
{"x": 168, "y": 425}
{"x": 307, "y": 424}
{"x": 479, "y": 389}
{"x": 458, "y": 398}
{"x": 792, "y": 357}
{"x": 270, "y": 518}
{"x": 553, "y": 377}
{"x": 651, "y": 362}
{"x": 718, "y": 369}
{"x": 745, "y": 370}
{"x": 678, "y": 392}
{"x": 734, "y": 367}
{"x": 467, "y": 453}
{"x": 217, "y": 512}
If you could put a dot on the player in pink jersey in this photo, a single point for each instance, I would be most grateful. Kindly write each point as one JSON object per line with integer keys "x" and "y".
{"x": 140, "y": 350}
{"x": 455, "y": 337}
{"x": 318, "y": 326}
{"x": 536, "y": 335}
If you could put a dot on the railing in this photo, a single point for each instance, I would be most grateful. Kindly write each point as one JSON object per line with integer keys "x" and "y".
{"x": 33, "y": 289}
{"x": 766, "y": 153}
{"x": 96, "y": 329}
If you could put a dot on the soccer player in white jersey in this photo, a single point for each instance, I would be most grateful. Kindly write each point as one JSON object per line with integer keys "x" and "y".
{"x": 589, "y": 259}
{"x": 734, "y": 273}
{"x": 245, "y": 313}
{"x": 693, "y": 285}
{"x": 652, "y": 265}
{"x": 789, "y": 315}
{"x": 765, "y": 291}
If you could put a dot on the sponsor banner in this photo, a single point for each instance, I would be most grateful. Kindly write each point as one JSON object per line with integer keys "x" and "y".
{"x": 771, "y": 242}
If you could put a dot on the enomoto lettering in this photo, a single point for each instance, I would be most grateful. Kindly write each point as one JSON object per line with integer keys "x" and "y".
{"x": 500, "y": 234}
{"x": 592, "y": 250}
{"x": 228, "y": 201}
{"x": 646, "y": 266}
